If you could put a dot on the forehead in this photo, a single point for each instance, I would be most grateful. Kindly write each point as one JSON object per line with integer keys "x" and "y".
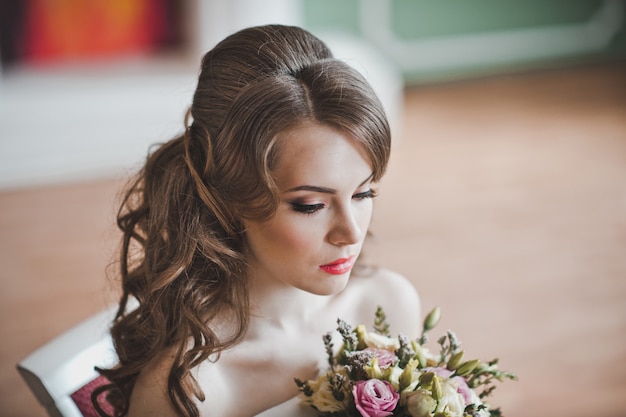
{"x": 314, "y": 153}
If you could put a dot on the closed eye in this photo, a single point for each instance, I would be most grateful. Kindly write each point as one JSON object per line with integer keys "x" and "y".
{"x": 365, "y": 194}
{"x": 306, "y": 208}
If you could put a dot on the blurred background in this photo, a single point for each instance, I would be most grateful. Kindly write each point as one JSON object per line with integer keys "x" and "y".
{"x": 505, "y": 200}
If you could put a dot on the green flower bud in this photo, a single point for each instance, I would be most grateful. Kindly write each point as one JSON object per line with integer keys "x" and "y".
{"x": 373, "y": 371}
{"x": 432, "y": 319}
{"x": 419, "y": 354}
{"x": 455, "y": 360}
{"x": 387, "y": 374}
{"x": 482, "y": 367}
{"x": 426, "y": 379}
{"x": 467, "y": 367}
{"x": 406, "y": 377}
{"x": 415, "y": 345}
{"x": 436, "y": 388}
{"x": 360, "y": 334}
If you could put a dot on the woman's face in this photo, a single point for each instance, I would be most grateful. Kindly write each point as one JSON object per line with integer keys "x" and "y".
{"x": 317, "y": 232}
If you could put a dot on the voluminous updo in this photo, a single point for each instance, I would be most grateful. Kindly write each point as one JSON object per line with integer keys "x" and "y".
{"x": 182, "y": 255}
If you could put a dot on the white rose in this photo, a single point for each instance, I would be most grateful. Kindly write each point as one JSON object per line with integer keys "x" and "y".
{"x": 375, "y": 340}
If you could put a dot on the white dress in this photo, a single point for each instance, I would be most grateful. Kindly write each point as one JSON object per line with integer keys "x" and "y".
{"x": 290, "y": 408}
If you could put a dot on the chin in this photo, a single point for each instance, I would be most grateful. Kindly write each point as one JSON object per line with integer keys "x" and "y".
{"x": 332, "y": 287}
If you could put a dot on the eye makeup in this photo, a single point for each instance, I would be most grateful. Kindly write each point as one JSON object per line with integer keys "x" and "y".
{"x": 306, "y": 208}
{"x": 365, "y": 194}
{"x": 301, "y": 207}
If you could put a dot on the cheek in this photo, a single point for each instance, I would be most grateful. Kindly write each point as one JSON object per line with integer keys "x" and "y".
{"x": 291, "y": 236}
{"x": 365, "y": 214}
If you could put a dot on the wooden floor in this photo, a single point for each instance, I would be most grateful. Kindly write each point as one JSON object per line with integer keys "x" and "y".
{"x": 505, "y": 204}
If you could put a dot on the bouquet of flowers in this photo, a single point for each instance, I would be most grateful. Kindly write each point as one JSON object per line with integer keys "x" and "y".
{"x": 375, "y": 375}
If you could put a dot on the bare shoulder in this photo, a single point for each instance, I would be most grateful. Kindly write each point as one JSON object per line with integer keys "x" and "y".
{"x": 397, "y": 296}
{"x": 149, "y": 397}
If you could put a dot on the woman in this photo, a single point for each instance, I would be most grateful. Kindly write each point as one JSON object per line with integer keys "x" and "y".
{"x": 241, "y": 235}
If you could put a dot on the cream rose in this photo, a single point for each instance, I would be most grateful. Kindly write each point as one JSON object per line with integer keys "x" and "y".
{"x": 375, "y": 340}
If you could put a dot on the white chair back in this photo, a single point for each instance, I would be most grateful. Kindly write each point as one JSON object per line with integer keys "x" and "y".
{"x": 65, "y": 364}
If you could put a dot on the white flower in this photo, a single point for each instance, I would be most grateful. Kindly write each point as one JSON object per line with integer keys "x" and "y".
{"x": 431, "y": 357}
{"x": 394, "y": 376}
{"x": 451, "y": 401}
{"x": 375, "y": 340}
{"x": 420, "y": 403}
{"x": 475, "y": 399}
{"x": 323, "y": 398}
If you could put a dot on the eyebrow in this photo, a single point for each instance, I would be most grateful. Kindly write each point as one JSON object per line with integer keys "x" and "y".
{"x": 324, "y": 190}
{"x": 313, "y": 188}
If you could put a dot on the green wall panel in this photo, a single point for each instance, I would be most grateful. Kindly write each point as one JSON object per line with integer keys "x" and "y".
{"x": 417, "y": 20}
{"x": 423, "y": 18}
{"x": 340, "y": 15}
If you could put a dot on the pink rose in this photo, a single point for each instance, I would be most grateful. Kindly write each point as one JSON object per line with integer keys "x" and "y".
{"x": 385, "y": 357}
{"x": 375, "y": 398}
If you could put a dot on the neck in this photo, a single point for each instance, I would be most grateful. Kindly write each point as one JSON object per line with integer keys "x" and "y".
{"x": 273, "y": 303}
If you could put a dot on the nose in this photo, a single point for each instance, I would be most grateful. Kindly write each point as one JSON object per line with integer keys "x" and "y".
{"x": 345, "y": 229}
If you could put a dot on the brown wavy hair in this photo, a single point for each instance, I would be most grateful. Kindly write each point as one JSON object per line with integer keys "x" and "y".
{"x": 182, "y": 253}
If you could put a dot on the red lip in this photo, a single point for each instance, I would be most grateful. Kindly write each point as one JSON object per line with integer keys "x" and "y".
{"x": 339, "y": 266}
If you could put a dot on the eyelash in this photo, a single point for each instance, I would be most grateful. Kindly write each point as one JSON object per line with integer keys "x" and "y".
{"x": 306, "y": 208}
{"x": 313, "y": 208}
{"x": 365, "y": 194}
